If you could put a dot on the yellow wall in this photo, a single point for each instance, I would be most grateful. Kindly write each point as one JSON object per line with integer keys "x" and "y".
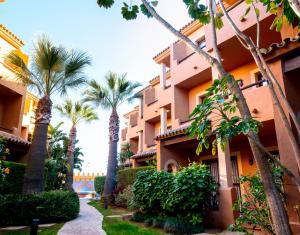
{"x": 193, "y": 93}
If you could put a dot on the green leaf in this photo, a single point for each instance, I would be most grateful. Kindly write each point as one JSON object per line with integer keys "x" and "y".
{"x": 218, "y": 22}
{"x": 105, "y": 3}
{"x": 247, "y": 11}
{"x": 129, "y": 13}
{"x": 154, "y": 3}
{"x": 249, "y": 1}
{"x": 145, "y": 11}
{"x": 257, "y": 12}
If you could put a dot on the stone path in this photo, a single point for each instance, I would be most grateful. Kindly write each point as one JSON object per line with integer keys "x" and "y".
{"x": 89, "y": 222}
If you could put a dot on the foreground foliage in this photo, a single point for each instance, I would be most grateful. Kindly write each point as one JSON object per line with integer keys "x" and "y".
{"x": 253, "y": 206}
{"x": 49, "y": 207}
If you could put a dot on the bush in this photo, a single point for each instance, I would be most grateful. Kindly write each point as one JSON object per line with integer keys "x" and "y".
{"x": 178, "y": 226}
{"x": 139, "y": 217}
{"x": 99, "y": 184}
{"x": 13, "y": 182}
{"x": 192, "y": 191}
{"x": 152, "y": 191}
{"x": 185, "y": 195}
{"x": 127, "y": 176}
{"x": 124, "y": 198}
{"x": 49, "y": 207}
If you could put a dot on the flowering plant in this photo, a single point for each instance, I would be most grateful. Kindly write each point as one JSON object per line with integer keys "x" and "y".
{"x": 4, "y": 152}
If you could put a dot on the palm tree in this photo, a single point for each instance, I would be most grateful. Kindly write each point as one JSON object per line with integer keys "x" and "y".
{"x": 53, "y": 70}
{"x": 77, "y": 113}
{"x": 116, "y": 91}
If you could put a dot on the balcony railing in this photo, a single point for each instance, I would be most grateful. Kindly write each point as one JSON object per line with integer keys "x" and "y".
{"x": 6, "y": 129}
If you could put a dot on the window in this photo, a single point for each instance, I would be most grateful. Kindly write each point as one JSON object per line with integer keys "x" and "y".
{"x": 201, "y": 43}
{"x": 200, "y": 98}
{"x": 258, "y": 78}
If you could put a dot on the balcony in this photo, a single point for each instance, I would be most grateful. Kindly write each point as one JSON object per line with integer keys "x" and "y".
{"x": 187, "y": 67}
{"x": 124, "y": 134}
{"x": 248, "y": 25}
{"x": 11, "y": 107}
{"x": 260, "y": 102}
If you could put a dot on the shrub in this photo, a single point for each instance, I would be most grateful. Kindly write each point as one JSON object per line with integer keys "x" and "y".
{"x": 152, "y": 190}
{"x": 185, "y": 195}
{"x": 13, "y": 181}
{"x": 192, "y": 191}
{"x": 124, "y": 198}
{"x": 158, "y": 222}
{"x": 127, "y": 176}
{"x": 178, "y": 226}
{"x": 99, "y": 184}
{"x": 49, "y": 207}
{"x": 139, "y": 217}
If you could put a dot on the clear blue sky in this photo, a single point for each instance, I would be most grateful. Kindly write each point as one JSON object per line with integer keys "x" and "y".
{"x": 112, "y": 42}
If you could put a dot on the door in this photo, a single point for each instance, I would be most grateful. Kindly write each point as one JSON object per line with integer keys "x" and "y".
{"x": 213, "y": 167}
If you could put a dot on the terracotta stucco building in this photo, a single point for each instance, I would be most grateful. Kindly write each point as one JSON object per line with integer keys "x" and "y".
{"x": 156, "y": 128}
{"x": 17, "y": 105}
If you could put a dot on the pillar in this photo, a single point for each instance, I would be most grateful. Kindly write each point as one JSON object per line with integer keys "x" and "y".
{"x": 225, "y": 170}
{"x": 163, "y": 72}
{"x": 140, "y": 145}
{"x": 163, "y": 120}
{"x": 141, "y": 107}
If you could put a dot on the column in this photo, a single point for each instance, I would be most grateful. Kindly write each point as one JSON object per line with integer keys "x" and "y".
{"x": 225, "y": 171}
{"x": 140, "y": 145}
{"x": 163, "y": 120}
{"x": 141, "y": 107}
{"x": 163, "y": 73}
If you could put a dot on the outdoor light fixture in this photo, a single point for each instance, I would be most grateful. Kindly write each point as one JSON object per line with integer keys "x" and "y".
{"x": 250, "y": 160}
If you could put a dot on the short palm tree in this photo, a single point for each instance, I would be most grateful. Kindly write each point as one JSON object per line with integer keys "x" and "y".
{"x": 53, "y": 70}
{"x": 77, "y": 112}
{"x": 116, "y": 91}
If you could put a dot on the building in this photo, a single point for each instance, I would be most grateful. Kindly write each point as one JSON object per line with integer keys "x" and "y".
{"x": 83, "y": 184}
{"x": 16, "y": 103}
{"x": 157, "y": 127}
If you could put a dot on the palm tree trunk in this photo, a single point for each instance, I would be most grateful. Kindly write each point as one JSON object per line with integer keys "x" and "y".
{"x": 70, "y": 158}
{"x": 34, "y": 173}
{"x": 112, "y": 157}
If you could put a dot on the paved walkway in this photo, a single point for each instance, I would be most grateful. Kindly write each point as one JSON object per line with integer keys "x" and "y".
{"x": 89, "y": 222}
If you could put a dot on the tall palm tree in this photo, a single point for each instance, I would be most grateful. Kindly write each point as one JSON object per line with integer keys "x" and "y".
{"x": 53, "y": 70}
{"x": 77, "y": 113}
{"x": 116, "y": 91}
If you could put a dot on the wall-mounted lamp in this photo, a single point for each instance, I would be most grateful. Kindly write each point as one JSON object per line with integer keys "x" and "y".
{"x": 251, "y": 161}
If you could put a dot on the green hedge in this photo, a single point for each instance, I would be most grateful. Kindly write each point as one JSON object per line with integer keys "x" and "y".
{"x": 14, "y": 180}
{"x": 99, "y": 184}
{"x": 127, "y": 176}
{"x": 49, "y": 207}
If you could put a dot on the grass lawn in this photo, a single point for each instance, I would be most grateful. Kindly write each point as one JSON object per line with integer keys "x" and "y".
{"x": 117, "y": 226}
{"x": 53, "y": 230}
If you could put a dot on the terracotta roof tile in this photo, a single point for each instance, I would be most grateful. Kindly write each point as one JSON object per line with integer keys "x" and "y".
{"x": 11, "y": 34}
{"x": 282, "y": 44}
{"x": 14, "y": 139}
{"x": 179, "y": 131}
{"x": 146, "y": 153}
